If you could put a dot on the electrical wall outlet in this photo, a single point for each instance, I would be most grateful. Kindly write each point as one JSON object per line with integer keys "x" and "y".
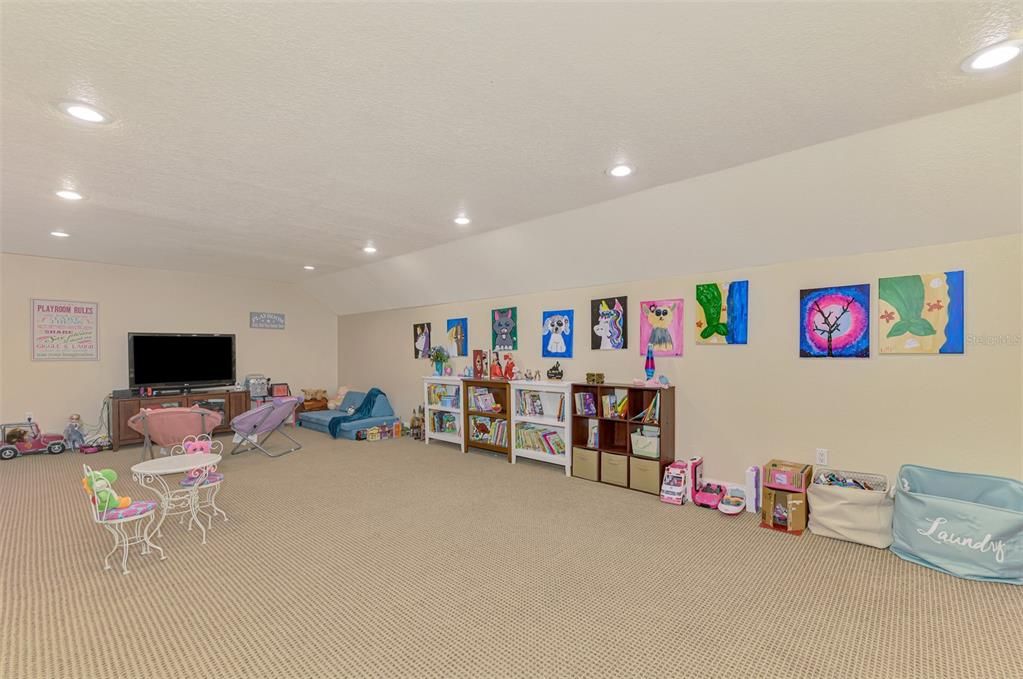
{"x": 29, "y": 417}
{"x": 822, "y": 456}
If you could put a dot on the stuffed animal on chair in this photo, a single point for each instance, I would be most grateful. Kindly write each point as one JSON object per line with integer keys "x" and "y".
{"x": 335, "y": 403}
{"x": 100, "y": 484}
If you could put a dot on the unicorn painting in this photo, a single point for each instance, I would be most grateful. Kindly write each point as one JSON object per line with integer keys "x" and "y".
{"x": 420, "y": 340}
{"x": 610, "y": 323}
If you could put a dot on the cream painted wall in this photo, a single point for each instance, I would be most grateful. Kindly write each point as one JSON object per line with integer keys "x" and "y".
{"x": 739, "y": 405}
{"x": 148, "y": 300}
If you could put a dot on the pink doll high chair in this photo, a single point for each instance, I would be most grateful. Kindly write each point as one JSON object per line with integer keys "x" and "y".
{"x": 192, "y": 445}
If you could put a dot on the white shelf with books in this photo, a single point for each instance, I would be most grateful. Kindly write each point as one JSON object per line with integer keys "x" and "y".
{"x": 541, "y": 426}
{"x": 442, "y": 396}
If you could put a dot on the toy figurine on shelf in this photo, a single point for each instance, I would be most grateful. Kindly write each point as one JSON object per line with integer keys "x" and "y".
{"x": 555, "y": 372}
{"x": 73, "y": 434}
{"x": 509, "y": 367}
{"x": 496, "y": 373}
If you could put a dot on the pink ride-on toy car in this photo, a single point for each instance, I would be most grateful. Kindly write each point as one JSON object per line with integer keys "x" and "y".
{"x": 24, "y": 438}
{"x": 709, "y": 495}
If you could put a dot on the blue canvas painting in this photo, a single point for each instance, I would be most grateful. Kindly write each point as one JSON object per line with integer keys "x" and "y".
{"x": 835, "y": 322}
{"x": 458, "y": 337}
{"x": 558, "y": 327}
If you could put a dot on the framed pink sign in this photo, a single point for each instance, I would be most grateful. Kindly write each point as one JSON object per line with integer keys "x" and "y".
{"x": 64, "y": 330}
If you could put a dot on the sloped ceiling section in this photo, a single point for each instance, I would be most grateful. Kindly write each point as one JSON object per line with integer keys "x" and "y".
{"x": 255, "y": 138}
{"x": 943, "y": 178}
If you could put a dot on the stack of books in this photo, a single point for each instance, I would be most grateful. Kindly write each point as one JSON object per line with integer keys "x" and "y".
{"x": 481, "y": 400}
{"x": 612, "y": 407}
{"x": 443, "y": 395}
{"x": 652, "y": 413}
{"x": 541, "y": 404}
{"x": 585, "y": 404}
{"x": 444, "y": 423}
{"x": 487, "y": 430}
{"x": 542, "y": 439}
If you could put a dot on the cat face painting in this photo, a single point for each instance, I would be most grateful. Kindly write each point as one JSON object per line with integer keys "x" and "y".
{"x": 505, "y": 334}
{"x": 660, "y": 325}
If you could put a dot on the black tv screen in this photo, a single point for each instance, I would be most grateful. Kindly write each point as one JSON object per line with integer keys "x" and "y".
{"x": 159, "y": 360}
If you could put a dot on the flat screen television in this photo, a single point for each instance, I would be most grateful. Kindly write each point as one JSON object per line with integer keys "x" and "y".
{"x": 169, "y": 360}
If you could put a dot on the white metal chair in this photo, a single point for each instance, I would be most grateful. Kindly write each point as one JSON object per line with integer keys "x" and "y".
{"x": 124, "y": 523}
{"x": 212, "y": 480}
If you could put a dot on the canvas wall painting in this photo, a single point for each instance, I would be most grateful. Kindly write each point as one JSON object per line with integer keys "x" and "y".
{"x": 504, "y": 333}
{"x": 660, "y": 325}
{"x": 835, "y": 322}
{"x": 609, "y": 317}
{"x": 557, "y": 333}
{"x": 458, "y": 336}
{"x": 921, "y": 314}
{"x": 480, "y": 364}
{"x": 420, "y": 339}
{"x": 722, "y": 312}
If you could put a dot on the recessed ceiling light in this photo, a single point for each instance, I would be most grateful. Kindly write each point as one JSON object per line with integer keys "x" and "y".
{"x": 620, "y": 170}
{"x": 60, "y": 234}
{"x": 993, "y": 56}
{"x": 462, "y": 220}
{"x": 84, "y": 112}
{"x": 369, "y": 249}
{"x": 68, "y": 194}
{"x": 309, "y": 268}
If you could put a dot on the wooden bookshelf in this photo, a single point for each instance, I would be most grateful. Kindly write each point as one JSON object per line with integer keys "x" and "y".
{"x": 494, "y": 421}
{"x": 612, "y": 458}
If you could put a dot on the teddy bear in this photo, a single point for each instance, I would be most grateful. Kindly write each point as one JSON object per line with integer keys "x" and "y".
{"x": 315, "y": 399}
{"x": 100, "y": 484}
{"x": 335, "y": 403}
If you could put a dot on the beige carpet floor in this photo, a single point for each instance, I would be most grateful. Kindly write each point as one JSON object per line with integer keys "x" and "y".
{"x": 399, "y": 559}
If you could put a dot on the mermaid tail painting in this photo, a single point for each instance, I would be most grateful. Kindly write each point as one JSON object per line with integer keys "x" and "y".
{"x": 921, "y": 314}
{"x": 721, "y": 314}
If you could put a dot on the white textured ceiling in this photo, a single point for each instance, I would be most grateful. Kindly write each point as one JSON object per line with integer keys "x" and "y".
{"x": 261, "y": 137}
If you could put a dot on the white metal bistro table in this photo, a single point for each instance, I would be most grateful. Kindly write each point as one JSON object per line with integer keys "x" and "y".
{"x": 177, "y": 500}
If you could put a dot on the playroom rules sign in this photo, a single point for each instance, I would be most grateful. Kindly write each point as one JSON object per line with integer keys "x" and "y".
{"x": 65, "y": 331}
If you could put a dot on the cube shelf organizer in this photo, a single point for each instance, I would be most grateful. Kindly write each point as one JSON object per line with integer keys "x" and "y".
{"x": 443, "y": 399}
{"x": 622, "y": 434}
{"x": 486, "y": 426}
{"x": 540, "y": 422}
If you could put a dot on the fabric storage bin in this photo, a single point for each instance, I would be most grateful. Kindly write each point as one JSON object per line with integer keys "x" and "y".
{"x": 967, "y": 525}
{"x": 584, "y": 463}
{"x": 849, "y": 513}
{"x": 614, "y": 469}
{"x": 645, "y": 475}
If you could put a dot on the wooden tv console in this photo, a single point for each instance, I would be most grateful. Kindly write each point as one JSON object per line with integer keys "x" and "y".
{"x": 228, "y": 403}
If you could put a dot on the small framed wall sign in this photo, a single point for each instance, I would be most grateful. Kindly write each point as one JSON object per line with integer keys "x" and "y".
{"x": 64, "y": 330}
{"x": 266, "y": 320}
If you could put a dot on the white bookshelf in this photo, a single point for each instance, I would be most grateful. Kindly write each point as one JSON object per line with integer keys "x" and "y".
{"x": 451, "y": 386}
{"x": 551, "y": 397}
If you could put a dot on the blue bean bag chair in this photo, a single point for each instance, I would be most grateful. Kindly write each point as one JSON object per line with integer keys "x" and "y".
{"x": 371, "y": 409}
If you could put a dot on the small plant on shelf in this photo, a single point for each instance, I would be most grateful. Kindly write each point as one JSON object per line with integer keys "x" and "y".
{"x": 438, "y": 356}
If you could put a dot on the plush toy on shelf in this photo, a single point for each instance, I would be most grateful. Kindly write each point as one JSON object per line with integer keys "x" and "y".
{"x": 335, "y": 403}
{"x": 100, "y": 484}
{"x": 509, "y": 367}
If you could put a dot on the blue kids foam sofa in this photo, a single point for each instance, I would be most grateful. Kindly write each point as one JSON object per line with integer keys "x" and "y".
{"x": 371, "y": 409}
